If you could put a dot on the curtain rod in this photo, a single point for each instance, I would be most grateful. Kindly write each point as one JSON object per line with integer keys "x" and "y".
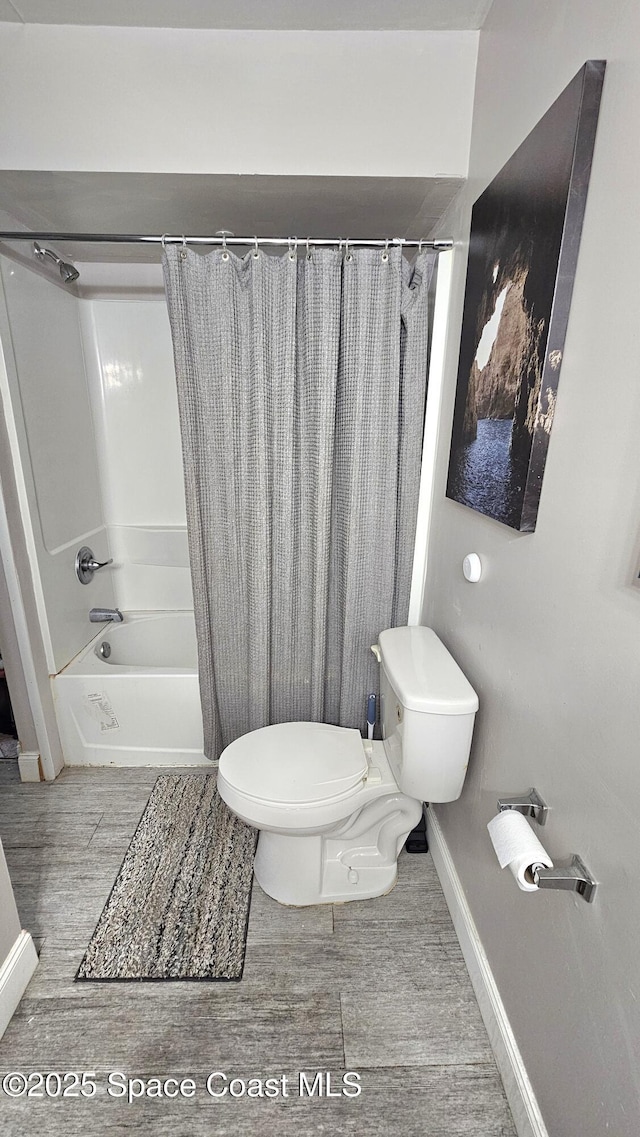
{"x": 284, "y": 242}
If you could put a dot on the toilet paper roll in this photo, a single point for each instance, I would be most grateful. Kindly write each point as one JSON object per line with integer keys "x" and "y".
{"x": 517, "y": 847}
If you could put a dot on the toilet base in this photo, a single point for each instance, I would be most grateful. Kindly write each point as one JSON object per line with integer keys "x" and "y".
{"x": 356, "y": 860}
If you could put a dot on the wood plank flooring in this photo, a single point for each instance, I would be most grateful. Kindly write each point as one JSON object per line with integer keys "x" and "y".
{"x": 378, "y": 987}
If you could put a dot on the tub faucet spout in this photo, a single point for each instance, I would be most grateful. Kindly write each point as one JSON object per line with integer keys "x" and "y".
{"x": 103, "y": 615}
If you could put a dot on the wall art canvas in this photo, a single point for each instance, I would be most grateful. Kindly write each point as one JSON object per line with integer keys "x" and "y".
{"x": 525, "y": 234}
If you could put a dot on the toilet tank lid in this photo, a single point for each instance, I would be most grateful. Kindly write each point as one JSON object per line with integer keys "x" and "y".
{"x": 423, "y": 673}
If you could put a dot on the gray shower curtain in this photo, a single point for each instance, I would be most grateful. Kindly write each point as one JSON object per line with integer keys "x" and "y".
{"x": 301, "y": 388}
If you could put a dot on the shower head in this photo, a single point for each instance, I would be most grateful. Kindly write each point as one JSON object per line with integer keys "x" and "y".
{"x": 67, "y": 271}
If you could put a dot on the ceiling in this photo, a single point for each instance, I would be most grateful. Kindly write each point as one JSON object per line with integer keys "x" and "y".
{"x": 200, "y": 204}
{"x": 267, "y": 15}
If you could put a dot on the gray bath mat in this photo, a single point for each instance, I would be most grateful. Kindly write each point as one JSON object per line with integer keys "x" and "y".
{"x": 180, "y": 904}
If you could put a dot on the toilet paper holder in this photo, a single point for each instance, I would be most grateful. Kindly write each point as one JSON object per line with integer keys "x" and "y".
{"x": 529, "y": 803}
{"x": 572, "y": 877}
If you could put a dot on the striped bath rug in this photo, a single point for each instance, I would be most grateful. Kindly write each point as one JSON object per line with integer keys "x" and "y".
{"x": 180, "y": 903}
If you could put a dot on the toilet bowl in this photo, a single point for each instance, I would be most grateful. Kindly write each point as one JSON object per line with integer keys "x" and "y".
{"x": 334, "y": 809}
{"x": 308, "y": 788}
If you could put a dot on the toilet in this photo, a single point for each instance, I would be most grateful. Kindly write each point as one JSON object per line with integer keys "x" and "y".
{"x": 334, "y": 809}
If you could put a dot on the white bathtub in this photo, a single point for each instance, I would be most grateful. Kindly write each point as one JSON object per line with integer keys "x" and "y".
{"x": 139, "y": 707}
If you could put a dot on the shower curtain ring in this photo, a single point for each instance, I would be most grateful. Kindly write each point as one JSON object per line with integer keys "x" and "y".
{"x": 385, "y": 255}
{"x": 183, "y": 251}
{"x": 347, "y": 254}
{"x": 163, "y": 239}
{"x": 256, "y": 251}
{"x": 293, "y": 247}
{"x": 308, "y": 249}
{"x": 225, "y": 254}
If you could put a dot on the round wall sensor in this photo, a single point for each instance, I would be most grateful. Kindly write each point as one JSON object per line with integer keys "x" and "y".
{"x": 472, "y": 567}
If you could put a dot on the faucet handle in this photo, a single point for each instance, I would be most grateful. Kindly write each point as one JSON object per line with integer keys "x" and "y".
{"x": 92, "y": 566}
{"x": 86, "y": 564}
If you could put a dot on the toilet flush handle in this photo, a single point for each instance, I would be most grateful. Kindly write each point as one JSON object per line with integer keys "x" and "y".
{"x": 376, "y": 651}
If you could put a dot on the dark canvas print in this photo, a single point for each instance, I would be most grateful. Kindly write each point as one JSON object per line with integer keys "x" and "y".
{"x": 525, "y": 234}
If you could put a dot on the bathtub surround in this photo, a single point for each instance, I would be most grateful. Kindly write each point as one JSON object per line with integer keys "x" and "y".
{"x": 132, "y": 384}
{"x": 180, "y": 904}
{"x": 301, "y": 388}
{"x": 47, "y": 408}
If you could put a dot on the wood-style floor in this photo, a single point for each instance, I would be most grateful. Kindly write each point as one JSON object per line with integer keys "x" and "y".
{"x": 378, "y": 987}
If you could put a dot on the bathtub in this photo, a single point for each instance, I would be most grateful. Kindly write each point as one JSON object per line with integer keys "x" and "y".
{"x": 140, "y": 706}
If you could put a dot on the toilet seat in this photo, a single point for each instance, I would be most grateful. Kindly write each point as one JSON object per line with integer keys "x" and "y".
{"x": 293, "y": 774}
{"x": 295, "y": 763}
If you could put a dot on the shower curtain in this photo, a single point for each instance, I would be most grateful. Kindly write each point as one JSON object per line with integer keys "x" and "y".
{"x": 301, "y": 389}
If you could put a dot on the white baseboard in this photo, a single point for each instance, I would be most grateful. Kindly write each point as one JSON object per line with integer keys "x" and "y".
{"x": 15, "y": 973}
{"x": 527, "y": 1117}
{"x": 29, "y": 766}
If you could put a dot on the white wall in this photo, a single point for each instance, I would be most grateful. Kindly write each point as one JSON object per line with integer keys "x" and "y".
{"x": 549, "y": 637}
{"x": 191, "y": 101}
{"x": 198, "y": 101}
{"x": 133, "y": 394}
{"x": 9, "y": 921}
{"x": 18, "y": 959}
{"x": 51, "y": 433}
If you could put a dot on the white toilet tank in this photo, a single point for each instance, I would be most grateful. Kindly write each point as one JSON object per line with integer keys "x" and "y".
{"x": 427, "y": 713}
